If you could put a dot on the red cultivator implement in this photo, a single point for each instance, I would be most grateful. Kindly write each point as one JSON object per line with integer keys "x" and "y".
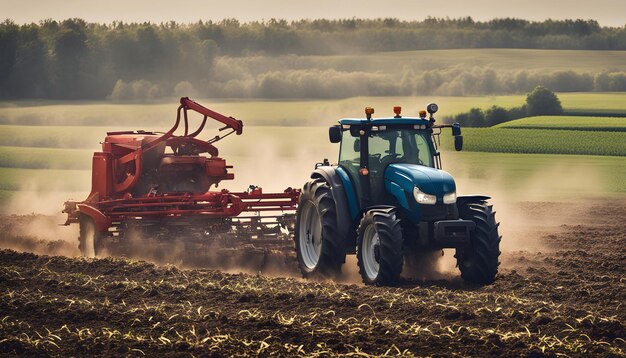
{"x": 152, "y": 189}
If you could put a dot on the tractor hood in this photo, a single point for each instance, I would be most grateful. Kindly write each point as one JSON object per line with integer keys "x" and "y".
{"x": 428, "y": 180}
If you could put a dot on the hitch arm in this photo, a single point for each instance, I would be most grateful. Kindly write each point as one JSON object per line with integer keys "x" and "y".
{"x": 187, "y": 103}
{"x": 230, "y": 122}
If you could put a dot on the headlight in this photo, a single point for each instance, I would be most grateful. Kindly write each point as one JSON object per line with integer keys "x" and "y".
{"x": 424, "y": 198}
{"x": 449, "y": 198}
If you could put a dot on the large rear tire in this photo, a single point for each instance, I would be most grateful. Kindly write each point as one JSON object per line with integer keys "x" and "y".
{"x": 478, "y": 261}
{"x": 319, "y": 246}
{"x": 90, "y": 239}
{"x": 380, "y": 251}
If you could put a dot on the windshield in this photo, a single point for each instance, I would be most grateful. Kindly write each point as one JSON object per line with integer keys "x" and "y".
{"x": 400, "y": 146}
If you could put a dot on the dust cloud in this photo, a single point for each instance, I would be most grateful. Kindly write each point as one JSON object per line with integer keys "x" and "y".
{"x": 529, "y": 208}
{"x": 39, "y": 234}
{"x": 218, "y": 254}
{"x": 32, "y": 222}
{"x": 532, "y": 207}
{"x": 536, "y": 205}
{"x": 32, "y": 200}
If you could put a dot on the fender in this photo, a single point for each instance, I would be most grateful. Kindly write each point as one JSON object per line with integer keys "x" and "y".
{"x": 329, "y": 174}
{"x": 381, "y": 207}
{"x": 102, "y": 221}
{"x": 464, "y": 199}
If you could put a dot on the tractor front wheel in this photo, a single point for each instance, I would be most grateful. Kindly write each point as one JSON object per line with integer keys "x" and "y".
{"x": 90, "y": 239}
{"x": 379, "y": 252}
{"x": 318, "y": 246}
{"x": 478, "y": 261}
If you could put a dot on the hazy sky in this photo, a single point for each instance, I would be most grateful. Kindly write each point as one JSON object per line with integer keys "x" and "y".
{"x": 607, "y": 12}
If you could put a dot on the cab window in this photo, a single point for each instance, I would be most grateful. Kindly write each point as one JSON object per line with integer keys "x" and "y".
{"x": 349, "y": 158}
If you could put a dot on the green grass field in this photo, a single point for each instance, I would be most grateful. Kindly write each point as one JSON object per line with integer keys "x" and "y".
{"x": 107, "y": 116}
{"x": 52, "y": 136}
{"x": 45, "y": 147}
{"x": 607, "y": 124}
{"x": 16, "y": 179}
{"x": 537, "y": 176}
{"x": 603, "y": 103}
{"x": 44, "y": 158}
{"x": 160, "y": 115}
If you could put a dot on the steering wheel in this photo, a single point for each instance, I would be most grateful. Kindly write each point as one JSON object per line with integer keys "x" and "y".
{"x": 387, "y": 159}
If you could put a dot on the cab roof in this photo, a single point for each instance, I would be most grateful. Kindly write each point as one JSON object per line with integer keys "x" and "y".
{"x": 384, "y": 121}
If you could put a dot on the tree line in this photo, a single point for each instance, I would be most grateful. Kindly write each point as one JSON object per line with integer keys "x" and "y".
{"x": 540, "y": 102}
{"x": 74, "y": 59}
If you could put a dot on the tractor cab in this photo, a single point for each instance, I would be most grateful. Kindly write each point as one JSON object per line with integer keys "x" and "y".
{"x": 375, "y": 152}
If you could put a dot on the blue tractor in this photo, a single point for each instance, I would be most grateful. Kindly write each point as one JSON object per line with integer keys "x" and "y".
{"x": 388, "y": 201}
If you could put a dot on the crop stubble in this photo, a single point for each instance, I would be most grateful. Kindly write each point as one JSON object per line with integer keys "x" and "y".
{"x": 562, "y": 296}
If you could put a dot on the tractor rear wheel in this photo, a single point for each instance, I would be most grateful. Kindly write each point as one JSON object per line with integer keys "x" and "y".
{"x": 318, "y": 245}
{"x": 478, "y": 261}
{"x": 90, "y": 239}
{"x": 380, "y": 251}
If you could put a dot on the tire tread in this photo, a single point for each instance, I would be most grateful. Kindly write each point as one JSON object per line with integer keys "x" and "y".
{"x": 479, "y": 262}
{"x": 332, "y": 255}
{"x": 389, "y": 232}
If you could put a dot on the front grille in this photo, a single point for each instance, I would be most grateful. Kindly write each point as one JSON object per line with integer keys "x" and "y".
{"x": 438, "y": 212}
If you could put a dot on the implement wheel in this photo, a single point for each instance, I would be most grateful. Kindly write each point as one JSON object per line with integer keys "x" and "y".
{"x": 478, "y": 261}
{"x": 90, "y": 239}
{"x": 380, "y": 253}
{"x": 318, "y": 245}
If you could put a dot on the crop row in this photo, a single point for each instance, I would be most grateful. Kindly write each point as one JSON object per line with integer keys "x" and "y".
{"x": 545, "y": 141}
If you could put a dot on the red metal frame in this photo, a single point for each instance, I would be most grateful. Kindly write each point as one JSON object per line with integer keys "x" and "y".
{"x": 118, "y": 169}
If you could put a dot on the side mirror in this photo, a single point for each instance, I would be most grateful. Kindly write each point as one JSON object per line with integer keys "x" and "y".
{"x": 334, "y": 134}
{"x": 458, "y": 143}
{"x": 456, "y": 129}
{"x": 357, "y": 145}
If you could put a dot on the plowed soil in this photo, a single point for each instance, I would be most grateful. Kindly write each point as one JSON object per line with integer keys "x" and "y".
{"x": 561, "y": 291}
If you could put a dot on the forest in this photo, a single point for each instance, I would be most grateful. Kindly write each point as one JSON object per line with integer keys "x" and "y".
{"x": 74, "y": 59}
